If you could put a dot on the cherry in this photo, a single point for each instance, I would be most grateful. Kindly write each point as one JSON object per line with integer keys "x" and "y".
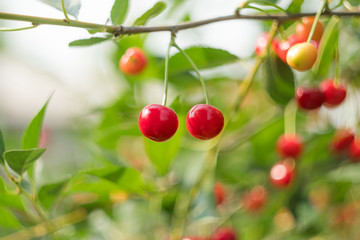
{"x": 281, "y": 48}
{"x": 204, "y": 121}
{"x": 289, "y": 146}
{"x": 192, "y": 238}
{"x": 133, "y": 61}
{"x": 219, "y": 193}
{"x": 354, "y": 150}
{"x": 309, "y": 98}
{"x": 255, "y": 199}
{"x": 302, "y": 56}
{"x": 282, "y": 174}
{"x": 342, "y": 141}
{"x": 334, "y": 94}
{"x": 262, "y": 42}
{"x": 224, "y": 233}
{"x": 303, "y": 29}
{"x": 157, "y": 122}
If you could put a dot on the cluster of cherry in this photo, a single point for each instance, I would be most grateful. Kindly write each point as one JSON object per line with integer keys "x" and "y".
{"x": 159, "y": 123}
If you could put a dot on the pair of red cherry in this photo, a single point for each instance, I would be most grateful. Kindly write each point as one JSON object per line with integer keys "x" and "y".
{"x": 224, "y": 233}
{"x": 289, "y": 147}
{"x": 160, "y": 123}
{"x": 344, "y": 142}
{"x": 329, "y": 93}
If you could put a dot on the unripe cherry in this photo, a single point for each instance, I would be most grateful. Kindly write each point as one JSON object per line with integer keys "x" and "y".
{"x": 302, "y": 56}
{"x": 133, "y": 61}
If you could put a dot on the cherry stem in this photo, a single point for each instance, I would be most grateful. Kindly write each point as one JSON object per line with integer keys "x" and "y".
{"x": 290, "y": 118}
{"x": 196, "y": 70}
{"x": 166, "y": 80}
{"x": 337, "y": 64}
{"x": 64, "y": 11}
{"x": 317, "y": 16}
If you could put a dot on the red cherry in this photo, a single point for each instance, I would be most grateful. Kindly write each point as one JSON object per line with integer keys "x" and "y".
{"x": 309, "y": 98}
{"x": 219, "y": 193}
{"x": 224, "y": 233}
{"x": 133, "y": 61}
{"x": 255, "y": 199}
{"x": 334, "y": 94}
{"x": 342, "y": 141}
{"x": 157, "y": 122}
{"x": 204, "y": 121}
{"x": 354, "y": 150}
{"x": 282, "y": 174}
{"x": 262, "y": 42}
{"x": 281, "y": 48}
{"x": 289, "y": 146}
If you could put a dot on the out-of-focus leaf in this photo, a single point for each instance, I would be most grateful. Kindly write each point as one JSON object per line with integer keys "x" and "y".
{"x": 161, "y": 154}
{"x": 295, "y": 6}
{"x": 119, "y": 11}
{"x": 326, "y": 51}
{"x": 203, "y": 57}
{"x": 158, "y": 8}
{"x": 88, "y": 42}
{"x": 33, "y": 131}
{"x": 72, "y": 6}
{"x": 2, "y": 148}
{"x": 306, "y": 216}
{"x": 50, "y": 192}
{"x": 21, "y": 160}
{"x": 266, "y": 3}
{"x": 8, "y": 220}
{"x": 349, "y": 173}
{"x": 127, "y": 179}
{"x": 279, "y": 80}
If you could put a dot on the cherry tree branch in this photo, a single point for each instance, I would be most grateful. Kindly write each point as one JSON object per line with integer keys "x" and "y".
{"x": 126, "y": 30}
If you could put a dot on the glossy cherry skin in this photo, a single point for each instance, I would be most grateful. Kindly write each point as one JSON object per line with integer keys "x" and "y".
{"x": 255, "y": 199}
{"x": 342, "y": 141}
{"x": 158, "y": 123}
{"x": 133, "y": 61}
{"x": 354, "y": 150}
{"x": 281, "y": 48}
{"x": 219, "y": 193}
{"x": 303, "y": 29}
{"x": 289, "y": 146}
{"x": 302, "y": 56}
{"x": 224, "y": 233}
{"x": 282, "y": 174}
{"x": 309, "y": 98}
{"x": 334, "y": 94}
{"x": 204, "y": 121}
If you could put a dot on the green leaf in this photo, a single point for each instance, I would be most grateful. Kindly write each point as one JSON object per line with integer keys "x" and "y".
{"x": 203, "y": 57}
{"x": 295, "y": 6}
{"x": 50, "y": 192}
{"x": 327, "y": 47}
{"x": 348, "y": 173}
{"x": 33, "y": 131}
{"x": 8, "y": 220}
{"x": 279, "y": 80}
{"x": 2, "y": 148}
{"x": 161, "y": 154}
{"x": 158, "y": 8}
{"x": 266, "y": 3}
{"x": 119, "y": 11}
{"x": 88, "y": 41}
{"x": 72, "y": 6}
{"x": 21, "y": 160}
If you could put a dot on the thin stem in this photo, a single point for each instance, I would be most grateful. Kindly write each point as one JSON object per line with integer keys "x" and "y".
{"x": 290, "y": 118}
{"x": 166, "y": 81}
{"x": 17, "y": 29}
{"x": 337, "y": 64}
{"x": 317, "y": 16}
{"x": 196, "y": 70}
{"x": 64, "y": 10}
{"x": 121, "y": 30}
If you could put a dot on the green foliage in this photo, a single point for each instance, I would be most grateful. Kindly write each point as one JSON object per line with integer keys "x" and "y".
{"x": 72, "y": 6}
{"x": 295, "y": 6}
{"x": 158, "y": 8}
{"x": 21, "y": 160}
{"x": 119, "y": 11}
{"x": 49, "y": 193}
{"x": 2, "y": 148}
{"x": 88, "y": 42}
